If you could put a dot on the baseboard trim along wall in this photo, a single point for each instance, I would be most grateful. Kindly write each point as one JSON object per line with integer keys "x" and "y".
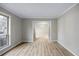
{"x": 67, "y": 48}
{"x": 52, "y": 40}
{"x": 28, "y": 41}
{"x": 9, "y": 48}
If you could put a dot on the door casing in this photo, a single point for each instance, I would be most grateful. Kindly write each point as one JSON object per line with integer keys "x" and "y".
{"x": 33, "y": 28}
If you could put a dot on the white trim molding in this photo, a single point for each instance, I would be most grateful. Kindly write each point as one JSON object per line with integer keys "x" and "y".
{"x": 67, "y": 48}
{"x": 68, "y": 9}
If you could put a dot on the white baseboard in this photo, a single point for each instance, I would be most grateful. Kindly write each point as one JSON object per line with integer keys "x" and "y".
{"x": 28, "y": 41}
{"x": 52, "y": 40}
{"x": 8, "y": 48}
{"x": 67, "y": 48}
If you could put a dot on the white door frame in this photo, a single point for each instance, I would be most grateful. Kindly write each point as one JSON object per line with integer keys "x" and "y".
{"x": 33, "y": 27}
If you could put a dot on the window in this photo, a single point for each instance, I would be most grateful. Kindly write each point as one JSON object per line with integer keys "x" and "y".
{"x": 4, "y": 29}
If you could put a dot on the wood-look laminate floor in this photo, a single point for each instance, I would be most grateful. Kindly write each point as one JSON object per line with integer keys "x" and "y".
{"x": 40, "y": 47}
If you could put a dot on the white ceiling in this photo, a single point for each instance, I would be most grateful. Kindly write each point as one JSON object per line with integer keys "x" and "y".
{"x": 37, "y": 10}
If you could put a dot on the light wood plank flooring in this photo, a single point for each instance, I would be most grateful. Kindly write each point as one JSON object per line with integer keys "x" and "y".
{"x": 40, "y": 47}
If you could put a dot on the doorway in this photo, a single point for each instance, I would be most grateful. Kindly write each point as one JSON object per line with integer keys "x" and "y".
{"x": 41, "y": 30}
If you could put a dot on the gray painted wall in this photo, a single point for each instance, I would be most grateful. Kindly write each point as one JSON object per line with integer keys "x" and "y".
{"x": 16, "y": 35}
{"x": 19, "y": 26}
{"x": 68, "y": 29}
{"x": 27, "y": 28}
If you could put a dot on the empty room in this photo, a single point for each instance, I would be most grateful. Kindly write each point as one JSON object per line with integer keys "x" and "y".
{"x": 39, "y": 29}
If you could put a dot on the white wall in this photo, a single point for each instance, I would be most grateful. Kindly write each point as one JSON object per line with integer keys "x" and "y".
{"x": 16, "y": 36}
{"x": 68, "y": 29}
{"x": 53, "y": 30}
{"x": 27, "y": 28}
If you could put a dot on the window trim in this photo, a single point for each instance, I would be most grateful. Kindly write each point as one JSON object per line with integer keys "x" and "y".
{"x": 9, "y": 29}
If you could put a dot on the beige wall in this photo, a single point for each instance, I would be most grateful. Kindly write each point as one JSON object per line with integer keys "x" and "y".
{"x": 68, "y": 30}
